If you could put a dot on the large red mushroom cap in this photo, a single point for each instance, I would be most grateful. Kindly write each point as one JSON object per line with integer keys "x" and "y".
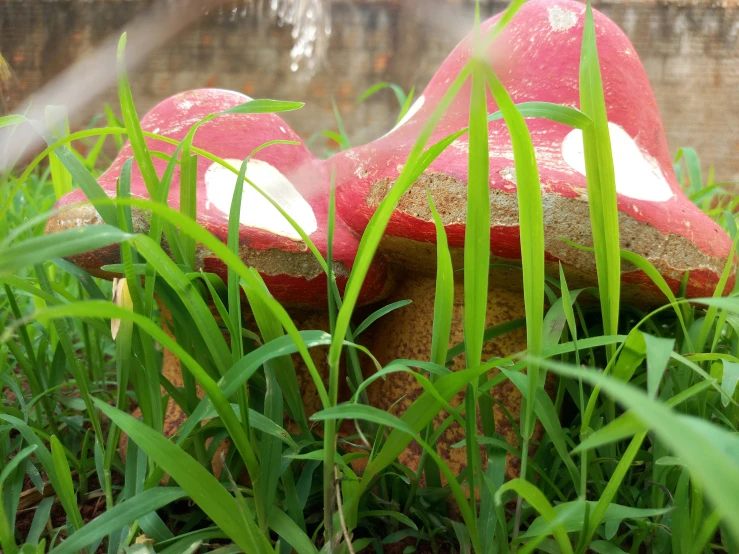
{"x": 537, "y": 58}
{"x": 288, "y": 173}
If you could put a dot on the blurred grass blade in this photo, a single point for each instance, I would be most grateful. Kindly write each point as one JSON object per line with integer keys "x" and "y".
{"x": 265, "y": 106}
{"x": 693, "y": 164}
{"x": 406, "y": 106}
{"x": 553, "y": 112}
{"x": 404, "y": 100}
{"x": 58, "y": 245}
{"x": 133, "y": 125}
{"x": 712, "y": 313}
{"x": 11, "y": 120}
{"x": 343, "y": 138}
{"x": 729, "y": 380}
{"x": 87, "y": 182}
{"x": 234, "y": 288}
{"x": 61, "y": 179}
{"x": 188, "y": 197}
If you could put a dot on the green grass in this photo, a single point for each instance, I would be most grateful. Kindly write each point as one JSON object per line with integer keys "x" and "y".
{"x": 640, "y": 450}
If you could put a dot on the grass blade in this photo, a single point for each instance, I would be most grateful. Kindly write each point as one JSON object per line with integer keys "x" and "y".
{"x": 63, "y": 244}
{"x": 60, "y": 177}
{"x": 199, "y": 484}
{"x": 601, "y": 180}
{"x": 66, "y": 494}
{"x": 133, "y": 126}
{"x": 119, "y": 516}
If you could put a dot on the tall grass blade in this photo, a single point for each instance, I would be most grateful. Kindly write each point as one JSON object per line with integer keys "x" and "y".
{"x": 133, "y": 126}
{"x": 444, "y": 294}
{"x": 477, "y": 259}
{"x": 601, "y": 180}
{"x": 61, "y": 179}
{"x": 531, "y": 222}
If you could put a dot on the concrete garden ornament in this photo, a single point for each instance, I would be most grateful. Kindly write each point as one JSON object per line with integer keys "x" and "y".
{"x": 537, "y": 59}
{"x": 290, "y": 174}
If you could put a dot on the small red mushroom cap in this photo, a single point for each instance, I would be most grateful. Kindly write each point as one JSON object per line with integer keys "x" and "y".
{"x": 537, "y": 58}
{"x": 288, "y": 173}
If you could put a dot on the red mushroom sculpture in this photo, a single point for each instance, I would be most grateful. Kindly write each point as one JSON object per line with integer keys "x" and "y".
{"x": 537, "y": 58}
{"x": 288, "y": 173}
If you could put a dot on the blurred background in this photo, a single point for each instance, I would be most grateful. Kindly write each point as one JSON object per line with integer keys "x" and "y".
{"x": 690, "y": 50}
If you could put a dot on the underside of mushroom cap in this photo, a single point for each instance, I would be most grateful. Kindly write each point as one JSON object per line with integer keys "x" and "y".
{"x": 288, "y": 173}
{"x": 537, "y": 58}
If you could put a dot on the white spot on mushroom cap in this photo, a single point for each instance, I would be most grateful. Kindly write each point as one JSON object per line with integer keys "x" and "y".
{"x": 638, "y": 175}
{"x": 509, "y": 174}
{"x": 256, "y": 211}
{"x": 561, "y": 19}
{"x": 413, "y": 110}
{"x": 185, "y": 104}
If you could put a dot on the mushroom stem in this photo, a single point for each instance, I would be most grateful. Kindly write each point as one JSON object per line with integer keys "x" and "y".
{"x": 406, "y": 334}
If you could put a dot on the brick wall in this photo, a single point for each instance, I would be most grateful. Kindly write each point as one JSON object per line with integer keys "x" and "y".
{"x": 690, "y": 50}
